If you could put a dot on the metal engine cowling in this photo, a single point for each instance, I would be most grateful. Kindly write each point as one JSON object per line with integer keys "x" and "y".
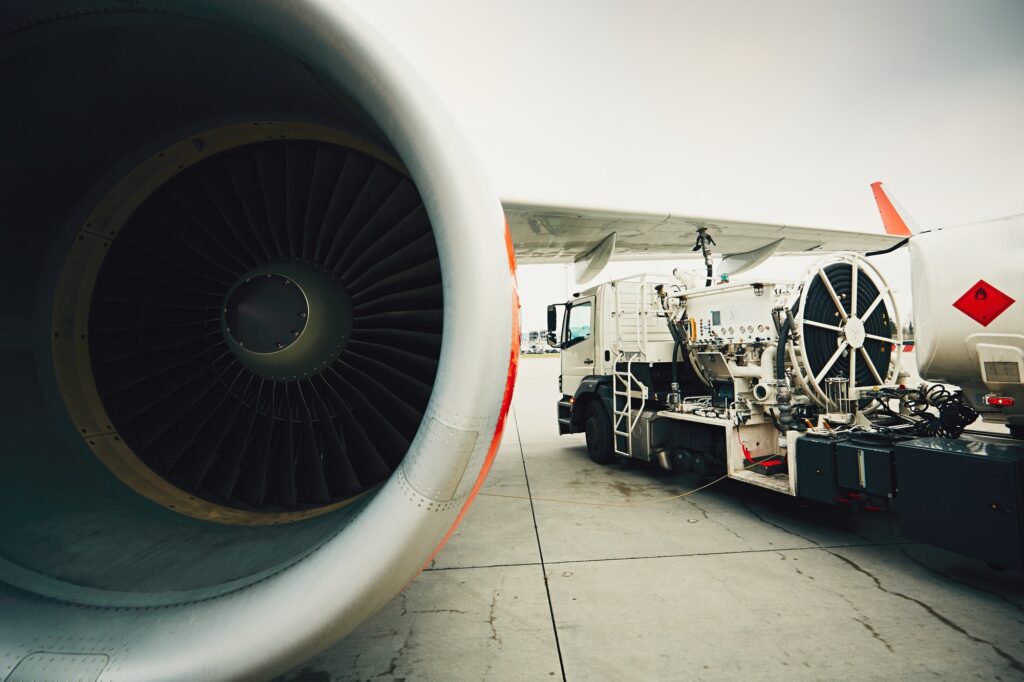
{"x": 258, "y": 321}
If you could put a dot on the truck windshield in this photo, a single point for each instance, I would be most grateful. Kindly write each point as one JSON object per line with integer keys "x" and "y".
{"x": 579, "y": 322}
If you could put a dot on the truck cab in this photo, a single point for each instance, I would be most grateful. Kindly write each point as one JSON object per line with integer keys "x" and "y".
{"x": 608, "y": 321}
{"x": 578, "y": 342}
{"x": 601, "y": 328}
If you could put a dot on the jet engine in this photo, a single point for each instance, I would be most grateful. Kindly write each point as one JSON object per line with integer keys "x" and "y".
{"x": 259, "y": 330}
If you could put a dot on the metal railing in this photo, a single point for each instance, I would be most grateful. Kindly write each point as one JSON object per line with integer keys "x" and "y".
{"x": 630, "y": 303}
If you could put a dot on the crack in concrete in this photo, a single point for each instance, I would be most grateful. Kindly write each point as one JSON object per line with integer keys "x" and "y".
{"x": 796, "y": 568}
{"x": 393, "y": 663}
{"x": 932, "y": 569}
{"x": 1014, "y": 663}
{"x": 717, "y": 523}
{"x": 440, "y": 611}
{"x": 874, "y": 633}
{"x": 851, "y": 604}
{"x": 700, "y": 509}
{"x": 762, "y": 519}
{"x": 491, "y": 617}
{"x": 732, "y": 532}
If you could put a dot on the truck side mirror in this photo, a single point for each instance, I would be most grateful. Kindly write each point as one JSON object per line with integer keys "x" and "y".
{"x": 552, "y": 336}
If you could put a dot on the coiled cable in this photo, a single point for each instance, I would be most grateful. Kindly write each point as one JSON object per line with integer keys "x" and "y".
{"x": 952, "y": 413}
{"x": 955, "y": 414}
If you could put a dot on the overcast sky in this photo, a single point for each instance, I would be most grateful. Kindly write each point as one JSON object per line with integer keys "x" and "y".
{"x": 769, "y": 111}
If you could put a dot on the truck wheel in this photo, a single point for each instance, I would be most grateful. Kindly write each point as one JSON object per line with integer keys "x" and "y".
{"x": 599, "y": 434}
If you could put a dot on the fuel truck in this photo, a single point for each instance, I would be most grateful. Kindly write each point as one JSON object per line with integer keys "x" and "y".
{"x": 802, "y": 387}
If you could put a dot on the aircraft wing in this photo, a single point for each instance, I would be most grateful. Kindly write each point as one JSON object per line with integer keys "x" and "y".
{"x": 561, "y": 233}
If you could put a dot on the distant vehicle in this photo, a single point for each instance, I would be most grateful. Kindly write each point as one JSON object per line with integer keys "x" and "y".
{"x": 535, "y": 342}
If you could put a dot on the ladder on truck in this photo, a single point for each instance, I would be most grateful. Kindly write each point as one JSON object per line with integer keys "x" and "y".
{"x": 630, "y": 303}
{"x": 625, "y": 388}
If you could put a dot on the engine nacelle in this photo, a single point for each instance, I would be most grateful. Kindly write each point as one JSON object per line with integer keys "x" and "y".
{"x": 259, "y": 330}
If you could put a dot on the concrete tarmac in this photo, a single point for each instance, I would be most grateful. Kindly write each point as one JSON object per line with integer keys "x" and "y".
{"x": 730, "y": 583}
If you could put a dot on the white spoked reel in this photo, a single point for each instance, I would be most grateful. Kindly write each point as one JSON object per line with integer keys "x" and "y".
{"x": 849, "y": 328}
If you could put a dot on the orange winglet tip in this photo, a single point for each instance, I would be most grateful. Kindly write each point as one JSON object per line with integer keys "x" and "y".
{"x": 890, "y": 216}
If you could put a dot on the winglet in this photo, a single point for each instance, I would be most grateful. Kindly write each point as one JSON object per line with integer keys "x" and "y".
{"x": 590, "y": 264}
{"x": 891, "y": 219}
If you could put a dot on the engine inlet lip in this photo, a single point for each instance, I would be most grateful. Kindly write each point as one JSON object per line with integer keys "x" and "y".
{"x": 72, "y": 304}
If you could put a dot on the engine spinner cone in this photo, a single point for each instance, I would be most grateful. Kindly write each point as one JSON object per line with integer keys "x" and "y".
{"x": 287, "y": 320}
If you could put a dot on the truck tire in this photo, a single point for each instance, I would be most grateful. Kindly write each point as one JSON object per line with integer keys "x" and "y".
{"x": 598, "y": 428}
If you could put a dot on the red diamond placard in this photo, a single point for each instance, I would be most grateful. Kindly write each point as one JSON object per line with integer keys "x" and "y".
{"x": 983, "y": 303}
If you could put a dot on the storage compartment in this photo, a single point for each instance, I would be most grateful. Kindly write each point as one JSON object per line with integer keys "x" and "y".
{"x": 816, "y": 473}
{"x": 964, "y": 495}
{"x": 866, "y": 466}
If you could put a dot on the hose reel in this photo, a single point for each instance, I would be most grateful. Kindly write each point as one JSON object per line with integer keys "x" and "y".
{"x": 848, "y": 328}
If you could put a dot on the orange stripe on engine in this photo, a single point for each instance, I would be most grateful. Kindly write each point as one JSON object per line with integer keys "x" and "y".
{"x": 511, "y": 250}
{"x": 506, "y": 401}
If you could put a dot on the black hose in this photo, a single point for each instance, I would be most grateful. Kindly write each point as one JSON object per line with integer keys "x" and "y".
{"x": 679, "y": 343}
{"x": 673, "y": 331}
{"x": 783, "y": 396}
{"x": 675, "y": 368}
{"x": 780, "y": 351}
{"x": 888, "y": 250}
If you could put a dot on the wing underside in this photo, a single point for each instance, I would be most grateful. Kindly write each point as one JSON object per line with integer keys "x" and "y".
{"x": 557, "y": 233}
